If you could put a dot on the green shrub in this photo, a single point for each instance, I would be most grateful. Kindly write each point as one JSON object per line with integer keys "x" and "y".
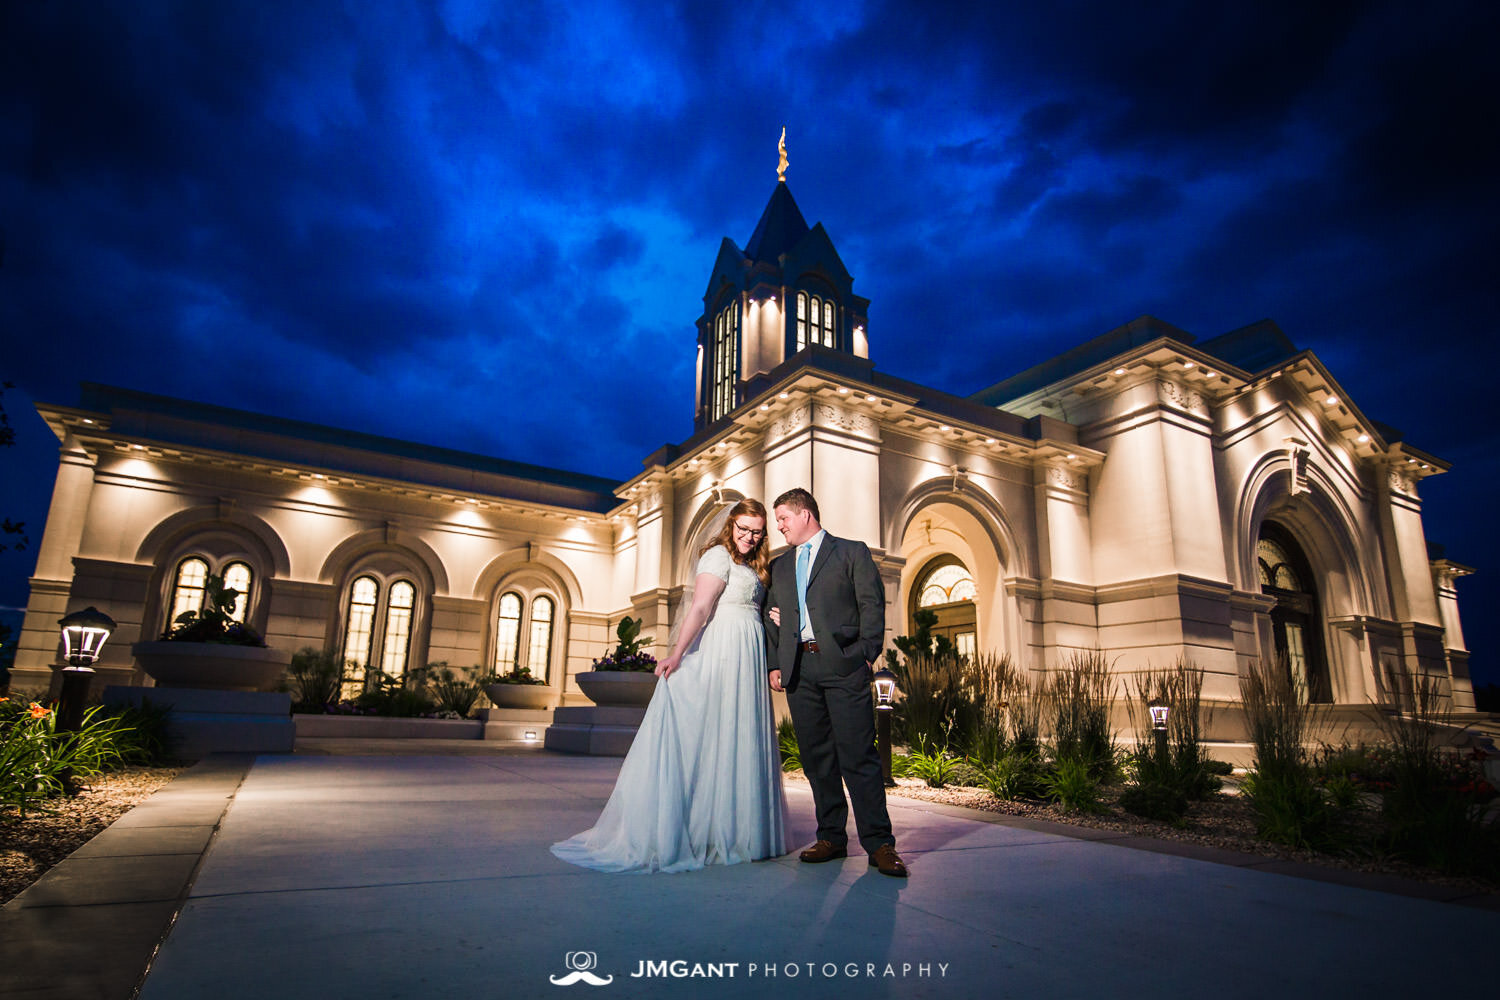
{"x": 1073, "y": 786}
{"x": 1077, "y": 699}
{"x": 315, "y": 679}
{"x": 1181, "y": 764}
{"x": 390, "y": 696}
{"x": 140, "y": 733}
{"x": 1015, "y": 775}
{"x": 934, "y": 765}
{"x": 1155, "y": 801}
{"x": 786, "y": 738}
{"x": 453, "y": 692}
{"x": 1435, "y": 806}
{"x": 38, "y": 763}
{"x": 1290, "y": 805}
{"x": 1290, "y": 809}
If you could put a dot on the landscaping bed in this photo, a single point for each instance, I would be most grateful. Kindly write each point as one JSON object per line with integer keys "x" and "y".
{"x": 54, "y": 829}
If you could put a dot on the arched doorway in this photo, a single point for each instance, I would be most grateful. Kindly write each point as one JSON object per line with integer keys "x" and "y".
{"x": 1296, "y": 624}
{"x": 946, "y": 588}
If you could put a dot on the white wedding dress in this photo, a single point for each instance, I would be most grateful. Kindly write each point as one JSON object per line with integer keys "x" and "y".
{"x": 701, "y": 784}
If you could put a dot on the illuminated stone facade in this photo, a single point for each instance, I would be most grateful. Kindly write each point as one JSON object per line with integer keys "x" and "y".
{"x": 1121, "y": 497}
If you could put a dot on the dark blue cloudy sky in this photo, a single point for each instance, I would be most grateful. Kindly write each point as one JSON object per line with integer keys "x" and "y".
{"x": 489, "y": 225}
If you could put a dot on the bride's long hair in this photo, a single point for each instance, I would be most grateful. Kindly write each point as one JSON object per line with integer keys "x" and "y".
{"x": 758, "y": 558}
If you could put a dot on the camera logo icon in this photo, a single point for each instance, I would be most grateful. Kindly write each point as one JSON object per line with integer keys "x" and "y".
{"x": 581, "y": 964}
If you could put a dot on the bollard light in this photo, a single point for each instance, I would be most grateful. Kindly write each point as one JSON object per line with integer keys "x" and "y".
{"x": 1159, "y": 725}
{"x": 885, "y": 690}
{"x": 83, "y": 635}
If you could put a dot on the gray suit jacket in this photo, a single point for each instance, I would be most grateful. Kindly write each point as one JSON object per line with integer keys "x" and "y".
{"x": 844, "y": 600}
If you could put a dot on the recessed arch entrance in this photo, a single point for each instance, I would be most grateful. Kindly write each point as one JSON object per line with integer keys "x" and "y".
{"x": 952, "y": 550}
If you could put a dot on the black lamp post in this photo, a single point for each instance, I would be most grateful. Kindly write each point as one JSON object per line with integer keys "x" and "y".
{"x": 885, "y": 690}
{"x": 1159, "y": 726}
{"x": 83, "y": 634}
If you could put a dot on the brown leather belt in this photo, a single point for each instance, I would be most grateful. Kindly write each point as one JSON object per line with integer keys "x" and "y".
{"x": 808, "y": 647}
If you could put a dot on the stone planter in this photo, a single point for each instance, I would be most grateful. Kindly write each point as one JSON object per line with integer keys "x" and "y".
{"x": 532, "y": 697}
{"x": 211, "y": 666}
{"x": 618, "y": 687}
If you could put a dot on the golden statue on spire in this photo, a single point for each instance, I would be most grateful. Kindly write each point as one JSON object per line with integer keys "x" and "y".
{"x": 781, "y": 148}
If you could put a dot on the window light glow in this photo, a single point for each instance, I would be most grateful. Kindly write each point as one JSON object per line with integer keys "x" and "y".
{"x": 1364, "y": 439}
{"x": 1331, "y": 401}
{"x": 869, "y": 399}
{"x": 1119, "y": 371}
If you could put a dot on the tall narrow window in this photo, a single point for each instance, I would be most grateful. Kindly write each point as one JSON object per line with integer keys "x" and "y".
{"x": 398, "y": 628}
{"x": 726, "y": 359}
{"x": 238, "y": 577}
{"x": 508, "y": 634}
{"x": 540, "y": 653}
{"x": 815, "y": 321}
{"x": 187, "y": 593}
{"x": 364, "y": 594}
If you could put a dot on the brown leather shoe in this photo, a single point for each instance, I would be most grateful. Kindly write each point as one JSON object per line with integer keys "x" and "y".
{"x": 823, "y": 850}
{"x": 888, "y": 861}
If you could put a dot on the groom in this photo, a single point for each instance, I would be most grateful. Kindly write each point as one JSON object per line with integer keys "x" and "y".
{"x": 832, "y": 626}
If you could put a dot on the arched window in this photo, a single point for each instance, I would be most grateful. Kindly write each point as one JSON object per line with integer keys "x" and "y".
{"x": 359, "y": 630}
{"x": 188, "y": 590}
{"x": 1296, "y": 625}
{"x": 947, "y": 589}
{"x": 540, "y": 654}
{"x": 238, "y": 576}
{"x": 726, "y": 359}
{"x": 190, "y": 584}
{"x": 398, "y": 628}
{"x": 508, "y": 634}
{"x": 816, "y": 320}
{"x": 526, "y": 622}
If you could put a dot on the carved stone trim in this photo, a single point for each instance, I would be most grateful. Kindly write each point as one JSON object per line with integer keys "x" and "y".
{"x": 1183, "y": 398}
{"x": 793, "y": 421}
{"x": 1059, "y": 475}
{"x": 833, "y": 416}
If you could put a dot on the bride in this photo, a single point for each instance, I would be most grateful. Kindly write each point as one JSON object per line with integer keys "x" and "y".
{"x": 701, "y": 784}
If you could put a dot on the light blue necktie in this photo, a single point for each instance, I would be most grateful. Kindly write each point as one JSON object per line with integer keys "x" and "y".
{"x": 804, "y": 554}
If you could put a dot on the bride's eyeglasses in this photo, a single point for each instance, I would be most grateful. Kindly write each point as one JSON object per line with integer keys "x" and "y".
{"x": 754, "y": 534}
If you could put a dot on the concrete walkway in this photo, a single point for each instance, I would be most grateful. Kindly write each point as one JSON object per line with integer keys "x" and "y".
{"x": 423, "y": 875}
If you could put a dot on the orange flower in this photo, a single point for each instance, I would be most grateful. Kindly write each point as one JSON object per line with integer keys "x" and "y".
{"x": 38, "y": 712}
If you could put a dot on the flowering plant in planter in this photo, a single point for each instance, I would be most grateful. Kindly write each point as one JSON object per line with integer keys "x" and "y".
{"x": 627, "y": 654}
{"x": 519, "y": 675}
{"x": 214, "y": 621}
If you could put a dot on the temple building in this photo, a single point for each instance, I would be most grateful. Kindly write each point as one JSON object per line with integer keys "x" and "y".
{"x": 1148, "y": 493}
